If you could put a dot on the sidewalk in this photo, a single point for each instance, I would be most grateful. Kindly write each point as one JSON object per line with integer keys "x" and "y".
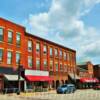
{"x": 38, "y": 93}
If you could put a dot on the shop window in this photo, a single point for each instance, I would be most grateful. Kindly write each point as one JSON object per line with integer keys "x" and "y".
{"x": 1, "y": 55}
{"x": 30, "y": 62}
{"x": 1, "y": 34}
{"x": 18, "y": 57}
{"x": 9, "y": 57}
{"x": 10, "y": 36}
{"x": 30, "y": 46}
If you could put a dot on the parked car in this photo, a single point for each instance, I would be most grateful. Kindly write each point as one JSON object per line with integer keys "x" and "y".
{"x": 66, "y": 88}
{"x": 96, "y": 87}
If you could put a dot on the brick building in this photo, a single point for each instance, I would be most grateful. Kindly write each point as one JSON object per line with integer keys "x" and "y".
{"x": 85, "y": 69}
{"x": 42, "y": 60}
{"x": 96, "y": 70}
{"x": 86, "y": 74}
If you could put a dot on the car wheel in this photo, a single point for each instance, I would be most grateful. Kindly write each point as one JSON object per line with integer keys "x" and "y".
{"x": 65, "y": 92}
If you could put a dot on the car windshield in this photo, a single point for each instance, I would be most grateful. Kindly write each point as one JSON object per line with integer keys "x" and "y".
{"x": 64, "y": 86}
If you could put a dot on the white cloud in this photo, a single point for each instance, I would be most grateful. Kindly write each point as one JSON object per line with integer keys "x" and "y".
{"x": 63, "y": 24}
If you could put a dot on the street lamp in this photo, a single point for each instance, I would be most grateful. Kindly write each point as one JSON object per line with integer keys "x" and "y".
{"x": 19, "y": 74}
{"x": 74, "y": 72}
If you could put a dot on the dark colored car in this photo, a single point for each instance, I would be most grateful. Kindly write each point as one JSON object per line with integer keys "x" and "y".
{"x": 96, "y": 87}
{"x": 66, "y": 88}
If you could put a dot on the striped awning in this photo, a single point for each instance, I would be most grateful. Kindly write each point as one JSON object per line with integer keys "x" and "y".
{"x": 12, "y": 77}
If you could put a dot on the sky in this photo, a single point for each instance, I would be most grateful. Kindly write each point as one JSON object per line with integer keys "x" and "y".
{"x": 72, "y": 23}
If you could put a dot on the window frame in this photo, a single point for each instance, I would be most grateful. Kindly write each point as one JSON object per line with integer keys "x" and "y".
{"x": 30, "y": 62}
{"x": 9, "y": 57}
{"x": 30, "y": 45}
{"x": 18, "y": 42}
{"x": 2, "y": 34}
{"x": 44, "y": 49}
{"x": 56, "y": 52}
{"x": 10, "y": 38}
{"x": 51, "y": 51}
{"x": 56, "y": 66}
{"x": 37, "y": 47}
{"x": 45, "y": 64}
{"x": 51, "y": 64}
{"x": 17, "y": 61}
{"x": 37, "y": 64}
{"x": 1, "y": 56}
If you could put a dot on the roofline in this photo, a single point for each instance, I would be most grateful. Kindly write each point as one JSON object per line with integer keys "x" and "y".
{"x": 29, "y": 34}
{"x": 12, "y": 22}
{"x": 97, "y": 65}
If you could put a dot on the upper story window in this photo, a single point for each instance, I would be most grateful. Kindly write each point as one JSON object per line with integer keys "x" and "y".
{"x": 18, "y": 39}
{"x": 1, "y": 34}
{"x": 65, "y": 68}
{"x": 1, "y": 55}
{"x": 51, "y": 51}
{"x": 37, "y": 47}
{"x": 38, "y": 64}
{"x": 45, "y": 64}
{"x": 60, "y": 53}
{"x": 61, "y": 67}
{"x": 56, "y": 52}
{"x": 30, "y": 62}
{"x": 18, "y": 57}
{"x": 51, "y": 65}
{"x": 10, "y": 36}
{"x": 56, "y": 65}
{"x": 30, "y": 46}
{"x": 9, "y": 57}
{"x": 68, "y": 56}
{"x": 64, "y": 55}
{"x": 45, "y": 49}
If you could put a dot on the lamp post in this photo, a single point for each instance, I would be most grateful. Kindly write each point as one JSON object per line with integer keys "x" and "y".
{"x": 74, "y": 72}
{"x": 19, "y": 74}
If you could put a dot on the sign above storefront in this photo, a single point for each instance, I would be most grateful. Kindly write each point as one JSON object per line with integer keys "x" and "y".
{"x": 36, "y": 73}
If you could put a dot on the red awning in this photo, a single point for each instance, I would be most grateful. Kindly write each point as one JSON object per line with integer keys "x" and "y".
{"x": 89, "y": 80}
{"x": 38, "y": 78}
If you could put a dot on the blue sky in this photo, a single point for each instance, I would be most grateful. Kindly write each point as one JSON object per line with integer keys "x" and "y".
{"x": 72, "y": 23}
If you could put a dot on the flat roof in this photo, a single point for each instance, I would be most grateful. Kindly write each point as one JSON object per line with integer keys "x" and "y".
{"x": 29, "y": 34}
{"x": 51, "y": 42}
{"x": 11, "y": 22}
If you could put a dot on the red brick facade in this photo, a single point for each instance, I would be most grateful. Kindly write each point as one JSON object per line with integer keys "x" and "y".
{"x": 64, "y": 65}
{"x": 85, "y": 70}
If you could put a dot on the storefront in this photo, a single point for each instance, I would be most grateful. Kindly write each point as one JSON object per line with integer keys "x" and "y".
{"x": 9, "y": 79}
{"x": 37, "y": 80}
{"x": 88, "y": 82}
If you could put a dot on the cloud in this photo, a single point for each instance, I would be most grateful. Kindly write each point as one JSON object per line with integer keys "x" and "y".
{"x": 63, "y": 24}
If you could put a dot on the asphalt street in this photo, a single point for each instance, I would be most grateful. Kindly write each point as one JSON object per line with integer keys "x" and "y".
{"x": 78, "y": 95}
